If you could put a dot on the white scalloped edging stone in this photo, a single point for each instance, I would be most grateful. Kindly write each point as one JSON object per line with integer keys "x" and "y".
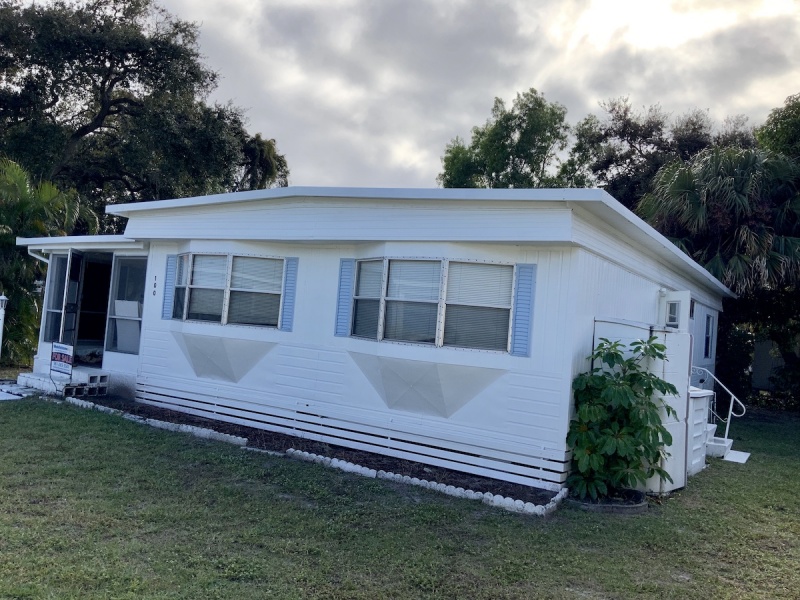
{"x": 85, "y": 404}
{"x": 497, "y": 501}
{"x": 201, "y": 432}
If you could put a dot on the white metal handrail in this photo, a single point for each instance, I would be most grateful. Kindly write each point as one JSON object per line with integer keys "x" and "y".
{"x": 734, "y": 400}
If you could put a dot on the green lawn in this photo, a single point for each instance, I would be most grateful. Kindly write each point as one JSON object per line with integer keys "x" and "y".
{"x": 93, "y": 506}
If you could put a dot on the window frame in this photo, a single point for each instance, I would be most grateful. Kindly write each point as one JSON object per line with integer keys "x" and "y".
{"x": 673, "y": 318}
{"x": 708, "y": 349}
{"x": 54, "y": 294}
{"x": 187, "y": 259}
{"x": 112, "y": 319}
{"x": 441, "y": 303}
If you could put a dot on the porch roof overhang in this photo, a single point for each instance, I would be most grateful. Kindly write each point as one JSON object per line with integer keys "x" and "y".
{"x": 86, "y": 243}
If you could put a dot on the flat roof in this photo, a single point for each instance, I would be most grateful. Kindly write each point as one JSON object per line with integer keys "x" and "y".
{"x": 595, "y": 201}
{"x": 475, "y": 194}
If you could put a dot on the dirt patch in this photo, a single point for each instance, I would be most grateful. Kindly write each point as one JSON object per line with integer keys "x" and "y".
{"x": 278, "y": 442}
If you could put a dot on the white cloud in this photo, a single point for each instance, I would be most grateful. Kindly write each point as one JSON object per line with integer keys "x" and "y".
{"x": 358, "y": 92}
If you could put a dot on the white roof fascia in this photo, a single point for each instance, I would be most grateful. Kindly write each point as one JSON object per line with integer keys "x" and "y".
{"x": 462, "y": 194}
{"x": 596, "y": 201}
{"x": 81, "y": 242}
{"x": 627, "y": 223}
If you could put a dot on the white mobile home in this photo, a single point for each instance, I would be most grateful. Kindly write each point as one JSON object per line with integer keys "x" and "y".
{"x": 439, "y": 325}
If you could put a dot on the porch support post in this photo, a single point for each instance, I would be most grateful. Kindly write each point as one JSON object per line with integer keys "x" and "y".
{"x": 3, "y": 302}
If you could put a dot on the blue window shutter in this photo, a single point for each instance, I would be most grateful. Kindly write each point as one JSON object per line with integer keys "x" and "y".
{"x": 522, "y": 327}
{"x": 289, "y": 293}
{"x": 169, "y": 286}
{"x": 344, "y": 301}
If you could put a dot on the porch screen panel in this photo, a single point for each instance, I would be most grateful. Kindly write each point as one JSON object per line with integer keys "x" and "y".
{"x": 125, "y": 314}
{"x": 56, "y": 282}
{"x": 478, "y": 305}
{"x": 412, "y": 300}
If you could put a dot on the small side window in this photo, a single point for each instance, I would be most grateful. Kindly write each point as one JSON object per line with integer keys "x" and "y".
{"x": 673, "y": 314}
{"x": 708, "y": 347}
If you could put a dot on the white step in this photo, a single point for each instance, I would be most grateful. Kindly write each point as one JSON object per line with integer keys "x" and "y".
{"x": 737, "y": 456}
{"x": 718, "y": 447}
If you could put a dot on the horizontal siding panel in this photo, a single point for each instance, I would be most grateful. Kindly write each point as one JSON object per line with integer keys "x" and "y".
{"x": 357, "y": 220}
{"x": 598, "y": 238}
{"x": 536, "y": 470}
{"x": 261, "y": 401}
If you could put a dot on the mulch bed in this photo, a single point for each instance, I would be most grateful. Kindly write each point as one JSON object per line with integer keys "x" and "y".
{"x": 278, "y": 442}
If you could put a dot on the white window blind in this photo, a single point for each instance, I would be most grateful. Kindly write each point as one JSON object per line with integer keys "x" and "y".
{"x": 414, "y": 280}
{"x": 412, "y": 300}
{"x": 259, "y": 306}
{"x": 206, "y": 305}
{"x": 367, "y": 300}
{"x": 182, "y": 270}
{"x": 249, "y": 308}
{"x": 481, "y": 284}
{"x": 370, "y": 278}
{"x": 249, "y": 295}
{"x": 209, "y": 271}
{"x": 258, "y": 274}
{"x": 476, "y": 306}
{"x": 478, "y": 309}
{"x": 411, "y": 321}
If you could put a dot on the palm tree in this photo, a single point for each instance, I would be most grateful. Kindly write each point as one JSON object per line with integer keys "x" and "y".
{"x": 29, "y": 210}
{"x": 735, "y": 211}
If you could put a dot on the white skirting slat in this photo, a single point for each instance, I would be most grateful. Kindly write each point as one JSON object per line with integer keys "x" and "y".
{"x": 525, "y": 464}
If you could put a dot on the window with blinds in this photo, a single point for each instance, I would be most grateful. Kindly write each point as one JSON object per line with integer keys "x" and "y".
{"x": 367, "y": 298}
{"x": 218, "y": 288}
{"x": 445, "y": 303}
{"x": 412, "y": 300}
{"x": 478, "y": 305}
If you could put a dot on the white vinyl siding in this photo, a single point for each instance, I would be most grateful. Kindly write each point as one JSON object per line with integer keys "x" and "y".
{"x": 225, "y": 289}
{"x": 444, "y": 303}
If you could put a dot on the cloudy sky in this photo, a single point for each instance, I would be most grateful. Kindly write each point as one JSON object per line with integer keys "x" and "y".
{"x": 369, "y": 92}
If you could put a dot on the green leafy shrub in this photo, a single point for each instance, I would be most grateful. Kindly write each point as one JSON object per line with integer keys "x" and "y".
{"x": 616, "y": 436}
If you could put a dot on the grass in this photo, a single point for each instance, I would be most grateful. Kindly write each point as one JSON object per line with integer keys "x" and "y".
{"x": 93, "y": 506}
